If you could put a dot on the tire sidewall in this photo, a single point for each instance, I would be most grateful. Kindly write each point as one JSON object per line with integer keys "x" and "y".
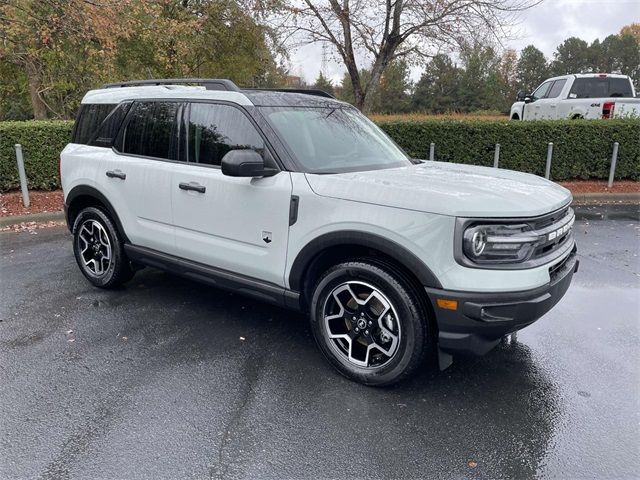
{"x": 92, "y": 213}
{"x": 413, "y": 327}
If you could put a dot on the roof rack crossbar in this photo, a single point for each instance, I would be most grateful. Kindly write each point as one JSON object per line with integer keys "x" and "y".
{"x": 306, "y": 91}
{"x": 208, "y": 83}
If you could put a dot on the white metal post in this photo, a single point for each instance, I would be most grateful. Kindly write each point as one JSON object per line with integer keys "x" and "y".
{"x": 432, "y": 151}
{"x": 547, "y": 171}
{"x": 614, "y": 160}
{"x": 23, "y": 176}
{"x": 496, "y": 156}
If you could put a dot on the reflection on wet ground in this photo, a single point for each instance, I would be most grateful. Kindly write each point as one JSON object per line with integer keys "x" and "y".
{"x": 171, "y": 379}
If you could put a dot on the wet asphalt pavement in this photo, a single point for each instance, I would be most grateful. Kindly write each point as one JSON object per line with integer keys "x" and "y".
{"x": 167, "y": 378}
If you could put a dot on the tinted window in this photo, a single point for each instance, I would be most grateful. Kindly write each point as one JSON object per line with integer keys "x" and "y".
{"x": 620, "y": 87}
{"x": 555, "y": 90}
{"x": 89, "y": 119}
{"x": 109, "y": 129}
{"x": 215, "y": 130}
{"x": 152, "y": 130}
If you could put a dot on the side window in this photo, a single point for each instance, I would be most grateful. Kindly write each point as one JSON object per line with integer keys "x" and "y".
{"x": 109, "y": 129}
{"x": 152, "y": 130}
{"x": 555, "y": 90}
{"x": 214, "y": 130}
{"x": 89, "y": 119}
{"x": 620, "y": 87}
{"x": 541, "y": 91}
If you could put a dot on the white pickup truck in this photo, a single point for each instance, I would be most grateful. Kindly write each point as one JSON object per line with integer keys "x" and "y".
{"x": 587, "y": 95}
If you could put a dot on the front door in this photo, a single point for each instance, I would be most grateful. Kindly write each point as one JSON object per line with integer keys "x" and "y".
{"x": 236, "y": 224}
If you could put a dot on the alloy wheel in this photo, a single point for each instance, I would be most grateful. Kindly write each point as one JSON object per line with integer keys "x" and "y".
{"x": 362, "y": 324}
{"x": 95, "y": 247}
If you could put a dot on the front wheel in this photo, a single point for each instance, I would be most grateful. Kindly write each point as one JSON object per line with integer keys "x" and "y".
{"x": 369, "y": 322}
{"x": 99, "y": 249}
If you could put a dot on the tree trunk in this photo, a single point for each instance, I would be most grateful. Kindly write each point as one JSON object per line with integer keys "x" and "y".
{"x": 35, "y": 83}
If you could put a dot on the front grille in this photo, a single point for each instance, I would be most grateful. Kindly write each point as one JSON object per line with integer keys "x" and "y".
{"x": 555, "y": 232}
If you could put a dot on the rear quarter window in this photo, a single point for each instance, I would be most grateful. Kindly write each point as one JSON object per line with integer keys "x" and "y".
{"x": 89, "y": 118}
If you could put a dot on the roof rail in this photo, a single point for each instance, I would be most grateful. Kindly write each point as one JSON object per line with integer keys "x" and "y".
{"x": 310, "y": 91}
{"x": 208, "y": 83}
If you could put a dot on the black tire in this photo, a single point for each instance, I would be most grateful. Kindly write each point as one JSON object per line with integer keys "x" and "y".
{"x": 413, "y": 339}
{"x": 113, "y": 271}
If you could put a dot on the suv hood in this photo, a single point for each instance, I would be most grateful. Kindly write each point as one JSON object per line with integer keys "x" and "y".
{"x": 447, "y": 189}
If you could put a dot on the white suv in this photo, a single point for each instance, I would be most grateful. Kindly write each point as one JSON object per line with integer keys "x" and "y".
{"x": 298, "y": 199}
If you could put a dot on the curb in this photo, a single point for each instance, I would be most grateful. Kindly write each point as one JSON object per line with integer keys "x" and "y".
{"x": 595, "y": 198}
{"x": 34, "y": 217}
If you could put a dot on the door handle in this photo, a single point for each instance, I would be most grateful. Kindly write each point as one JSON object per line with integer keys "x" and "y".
{"x": 116, "y": 174}
{"x": 196, "y": 187}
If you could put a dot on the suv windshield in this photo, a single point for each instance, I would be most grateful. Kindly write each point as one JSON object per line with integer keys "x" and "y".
{"x": 334, "y": 139}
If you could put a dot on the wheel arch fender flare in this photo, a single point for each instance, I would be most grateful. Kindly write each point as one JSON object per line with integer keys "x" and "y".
{"x": 88, "y": 191}
{"x": 352, "y": 238}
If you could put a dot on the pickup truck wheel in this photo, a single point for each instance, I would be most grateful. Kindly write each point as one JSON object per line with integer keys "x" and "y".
{"x": 369, "y": 323}
{"x": 99, "y": 249}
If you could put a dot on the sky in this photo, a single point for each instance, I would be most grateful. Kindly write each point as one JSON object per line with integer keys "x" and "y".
{"x": 545, "y": 26}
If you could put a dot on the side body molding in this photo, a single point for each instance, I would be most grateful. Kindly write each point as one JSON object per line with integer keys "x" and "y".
{"x": 362, "y": 239}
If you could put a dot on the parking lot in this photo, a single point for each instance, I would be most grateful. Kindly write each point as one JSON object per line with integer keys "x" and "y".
{"x": 167, "y": 378}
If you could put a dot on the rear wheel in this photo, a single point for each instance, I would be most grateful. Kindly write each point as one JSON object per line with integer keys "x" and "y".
{"x": 369, "y": 323}
{"x": 99, "y": 249}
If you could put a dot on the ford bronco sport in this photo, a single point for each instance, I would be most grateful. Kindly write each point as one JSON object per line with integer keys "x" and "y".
{"x": 298, "y": 199}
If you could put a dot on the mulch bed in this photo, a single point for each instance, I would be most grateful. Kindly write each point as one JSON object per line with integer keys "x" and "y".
{"x": 600, "y": 186}
{"x": 40, "y": 202}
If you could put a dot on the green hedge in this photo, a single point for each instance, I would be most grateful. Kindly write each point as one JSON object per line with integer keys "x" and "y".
{"x": 41, "y": 143}
{"x": 582, "y": 149}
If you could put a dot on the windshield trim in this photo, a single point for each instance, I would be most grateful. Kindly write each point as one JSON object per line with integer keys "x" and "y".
{"x": 333, "y": 106}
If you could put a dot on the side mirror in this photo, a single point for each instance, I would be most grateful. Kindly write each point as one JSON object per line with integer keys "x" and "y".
{"x": 521, "y": 95}
{"x": 245, "y": 163}
{"x": 528, "y": 99}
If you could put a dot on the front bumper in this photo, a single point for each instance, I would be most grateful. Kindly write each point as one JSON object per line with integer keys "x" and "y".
{"x": 482, "y": 319}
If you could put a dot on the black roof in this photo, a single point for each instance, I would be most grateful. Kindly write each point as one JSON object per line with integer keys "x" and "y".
{"x": 290, "y": 98}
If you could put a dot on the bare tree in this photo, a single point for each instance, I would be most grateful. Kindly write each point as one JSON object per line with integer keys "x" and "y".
{"x": 380, "y": 31}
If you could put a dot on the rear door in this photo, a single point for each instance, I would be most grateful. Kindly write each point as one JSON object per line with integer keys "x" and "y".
{"x": 137, "y": 173}
{"x": 236, "y": 224}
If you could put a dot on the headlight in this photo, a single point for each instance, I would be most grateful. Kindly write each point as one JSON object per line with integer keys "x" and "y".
{"x": 499, "y": 243}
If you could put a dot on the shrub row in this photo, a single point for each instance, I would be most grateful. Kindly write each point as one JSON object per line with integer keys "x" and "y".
{"x": 582, "y": 149}
{"x": 41, "y": 143}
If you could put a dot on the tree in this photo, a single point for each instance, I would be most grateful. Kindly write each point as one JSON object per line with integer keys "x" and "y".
{"x": 531, "y": 69}
{"x": 632, "y": 29}
{"x": 571, "y": 56}
{"x": 393, "y": 94}
{"x": 437, "y": 89}
{"x": 507, "y": 79}
{"x": 381, "y": 32}
{"x": 479, "y": 85}
{"x": 65, "y": 47}
{"x": 57, "y": 43}
{"x": 324, "y": 84}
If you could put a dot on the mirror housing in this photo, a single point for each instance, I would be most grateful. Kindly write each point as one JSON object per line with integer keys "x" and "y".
{"x": 521, "y": 96}
{"x": 245, "y": 163}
